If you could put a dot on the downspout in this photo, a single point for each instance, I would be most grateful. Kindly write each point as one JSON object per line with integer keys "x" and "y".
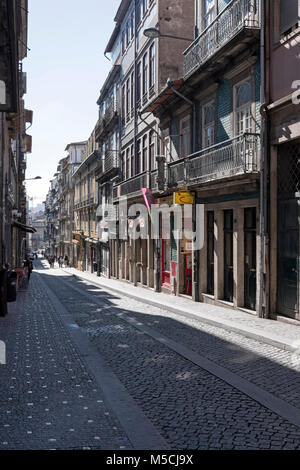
{"x": 134, "y": 276}
{"x": 263, "y": 297}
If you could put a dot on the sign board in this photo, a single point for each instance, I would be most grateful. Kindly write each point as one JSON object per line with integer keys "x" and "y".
{"x": 183, "y": 198}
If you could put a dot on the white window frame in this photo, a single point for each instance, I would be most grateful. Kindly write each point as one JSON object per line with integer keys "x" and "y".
{"x": 212, "y": 124}
{"x": 244, "y": 107}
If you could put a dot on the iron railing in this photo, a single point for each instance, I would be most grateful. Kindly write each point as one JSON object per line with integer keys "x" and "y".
{"x": 226, "y": 159}
{"x": 111, "y": 160}
{"x": 111, "y": 110}
{"x": 131, "y": 186}
{"x": 176, "y": 173}
{"x": 237, "y": 15}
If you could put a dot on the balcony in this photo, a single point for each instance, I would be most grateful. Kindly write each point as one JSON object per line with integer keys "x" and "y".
{"x": 238, "y": 23}
{"x": 131, "y": 187}
{"x": 108, "y": 120}
{"x": 111, "y": 112}
{"x": 99, "y": 129}
{"x": 111, "y": 160}
{"x": 227, "y": 159}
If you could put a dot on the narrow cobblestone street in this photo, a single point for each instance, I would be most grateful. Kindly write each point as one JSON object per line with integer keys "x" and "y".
{"x": 89, "y": 369}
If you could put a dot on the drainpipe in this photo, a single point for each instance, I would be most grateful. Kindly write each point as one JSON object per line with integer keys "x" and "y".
{"x": 196, "y": 254}
{"x": 263, "y": 297}
{"x": 136, "y": 5}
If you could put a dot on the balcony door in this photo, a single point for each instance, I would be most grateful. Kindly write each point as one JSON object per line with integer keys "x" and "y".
{"x": 208, "y": 12}
{"x": 243, "y": 107}
{"x": 208, "y": 125}
{"x": 185, "y": 137}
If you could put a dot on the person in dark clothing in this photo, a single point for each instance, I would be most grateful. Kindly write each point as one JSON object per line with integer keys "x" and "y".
{"x": 28, "y": 264}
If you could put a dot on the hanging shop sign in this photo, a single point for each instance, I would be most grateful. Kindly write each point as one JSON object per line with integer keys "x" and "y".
{"x": 183, "y": 198}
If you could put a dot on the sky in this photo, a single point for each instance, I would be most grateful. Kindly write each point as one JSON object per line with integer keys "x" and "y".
{"x": 65, "y": 69}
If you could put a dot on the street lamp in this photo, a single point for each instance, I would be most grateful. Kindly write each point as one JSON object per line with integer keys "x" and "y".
{"x": 36, "y": 178}
{"x": 154, "y": 33}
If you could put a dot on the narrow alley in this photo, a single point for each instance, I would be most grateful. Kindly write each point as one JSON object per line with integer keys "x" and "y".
{"x": 90, "y": 369}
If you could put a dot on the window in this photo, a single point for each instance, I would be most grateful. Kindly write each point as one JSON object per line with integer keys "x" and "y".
{"x": 139, "y": 12}
{"x": 132, "y": 94}
{"x": 145, "y": 74}
{"x": 152, "y": 66}
{"x": 127, "y": 35}
{"x": 185, "y": 137}
{"x": 123, "y": 166}
{"x": 152, "y": 151}
{"x": 139, "y": 157}
{"x": 243, "y": 103}
{"x": 128, "y": 100}
{"x": 132, "y": 161}
{"x": 128, "y": 163}
{"x": 208, "y": 125}
{"x": 145, "y": 153}
{"x": 138, "y": 80}
{"x": 144, "y": 2}
{"x": 209, "y": 12}
{"x": 123, "y": 42}
{"x": 132, "y": 25}
{"x": 123, "y": 105}
{"x": 289, "y": 15}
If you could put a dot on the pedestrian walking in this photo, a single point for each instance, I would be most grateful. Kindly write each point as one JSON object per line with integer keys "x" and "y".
{"x": 60, "y": 261}
{"x": 28, "y": 264}
{"x": 66, "y": 260}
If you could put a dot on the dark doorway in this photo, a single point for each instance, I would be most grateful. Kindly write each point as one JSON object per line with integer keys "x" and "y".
{"x": 210, "y": 252}
{"x": 228, "y": 255}
{"x": 288, "y": 229}
{"x": 250, "y": 257}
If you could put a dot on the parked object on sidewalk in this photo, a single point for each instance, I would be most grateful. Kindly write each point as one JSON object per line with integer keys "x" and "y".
{"x": 12, "y": 277}
{"x": 3, "y": 292}
{"x": 22, "y": 278}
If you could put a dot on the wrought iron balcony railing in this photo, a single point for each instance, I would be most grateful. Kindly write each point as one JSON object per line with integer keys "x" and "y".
{"x": 111, "y": 160}
{"x": 224, "y": 160}
{"x": 238, "y": 15}
{"x": 131, "y": 186}
{"x": 176, "y": 173}
{"x": 111, "y": 111}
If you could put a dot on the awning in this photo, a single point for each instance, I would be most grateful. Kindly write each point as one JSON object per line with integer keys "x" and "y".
{"x": 25, "y": 228}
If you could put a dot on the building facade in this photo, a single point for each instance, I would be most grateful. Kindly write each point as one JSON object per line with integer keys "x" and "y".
{"x": 282, "y": 152}
{"x": 14, "y": 143}
{"x": 84, "y": 237}
{"x": 145, "y": 65}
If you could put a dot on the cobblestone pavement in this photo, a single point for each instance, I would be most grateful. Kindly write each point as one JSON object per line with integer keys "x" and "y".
{"x": 191, "y": 408}
{"x": 48, "y": 398}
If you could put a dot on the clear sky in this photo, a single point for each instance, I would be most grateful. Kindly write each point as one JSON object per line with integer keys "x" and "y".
{"x": 65, "y": 71}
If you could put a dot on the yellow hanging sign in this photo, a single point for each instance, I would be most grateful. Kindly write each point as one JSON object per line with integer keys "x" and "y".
{"x": 183, "y": 198}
